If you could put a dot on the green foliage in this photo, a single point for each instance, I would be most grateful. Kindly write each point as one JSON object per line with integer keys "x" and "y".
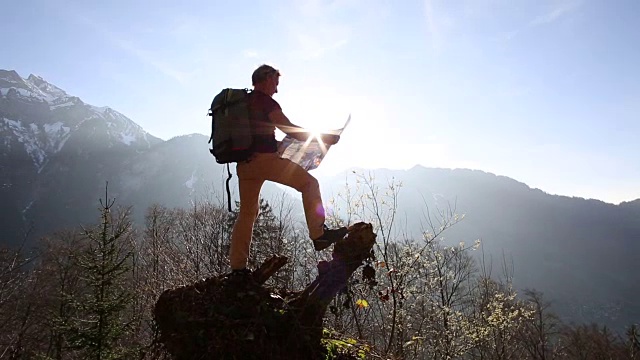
{"x": 101, "y": 310}
{"x": 341, "y": 348}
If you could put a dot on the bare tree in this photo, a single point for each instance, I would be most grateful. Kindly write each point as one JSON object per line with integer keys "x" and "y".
{"x": 539, "y": 336}
{"x": 59, "y": 272}
{"x": 591, "y": 342}
{"x": 15, "y": 319}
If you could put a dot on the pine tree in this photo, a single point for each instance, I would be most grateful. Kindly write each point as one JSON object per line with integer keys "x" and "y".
{"x": 103, "y": 322}
{"x": 633, "y": 334}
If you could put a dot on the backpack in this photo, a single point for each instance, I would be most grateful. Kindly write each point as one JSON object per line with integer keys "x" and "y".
{"x": 231, "y": 134}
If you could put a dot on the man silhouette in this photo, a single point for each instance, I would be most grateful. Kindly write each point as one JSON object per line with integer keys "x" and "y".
{"x": 266, "y": 165}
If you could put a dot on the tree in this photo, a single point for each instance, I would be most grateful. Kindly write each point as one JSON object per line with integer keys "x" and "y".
{"x": 587, "y": 342}
{"x": 633, "y": 342}
{"x": 539, "y": 336}
{"x": 423, "y": 298}
{"x": 60, "y": 274}
{"x": 102, "y": 322}
{"x": 416, "y": 290}
{"x": 16, "y": 309}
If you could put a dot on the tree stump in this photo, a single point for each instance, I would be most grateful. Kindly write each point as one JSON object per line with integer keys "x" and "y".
{"x": 348, "y": 254}
{"x": 225, "y": 319}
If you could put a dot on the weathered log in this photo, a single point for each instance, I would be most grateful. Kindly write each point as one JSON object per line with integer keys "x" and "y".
{"x": 226, "y": 318}
{"x": 268, "y": 268}
{"x": 223, "y": 318}
{"x": 348, "y": 254}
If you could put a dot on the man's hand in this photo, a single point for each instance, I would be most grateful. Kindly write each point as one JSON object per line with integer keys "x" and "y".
{"x": 278, "y": 118}
{"x": 330, "y": 139}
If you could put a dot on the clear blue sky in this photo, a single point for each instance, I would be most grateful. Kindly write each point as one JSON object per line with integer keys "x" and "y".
{"x": 544, "y": 91}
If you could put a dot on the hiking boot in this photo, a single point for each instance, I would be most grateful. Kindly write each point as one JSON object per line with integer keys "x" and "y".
{"x": 329, "y": 237}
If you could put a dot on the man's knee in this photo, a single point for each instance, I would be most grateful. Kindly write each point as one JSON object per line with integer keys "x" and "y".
{"x": 310, "y": 184}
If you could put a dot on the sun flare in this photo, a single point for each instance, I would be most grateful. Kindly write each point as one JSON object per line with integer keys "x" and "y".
{"x": 315, "y": 134}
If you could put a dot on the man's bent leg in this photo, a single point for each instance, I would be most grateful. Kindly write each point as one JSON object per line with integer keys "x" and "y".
{"x": 243, "y": 228}
{"x": 284, "y": 171}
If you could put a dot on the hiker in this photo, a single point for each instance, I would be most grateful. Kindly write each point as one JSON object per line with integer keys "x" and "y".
{"x": 265, "y": 164}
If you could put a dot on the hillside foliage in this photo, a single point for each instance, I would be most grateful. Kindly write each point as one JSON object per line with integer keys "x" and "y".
{"x": 89, "y": 292}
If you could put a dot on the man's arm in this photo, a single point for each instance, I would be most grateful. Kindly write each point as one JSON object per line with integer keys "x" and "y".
{"x": 280, "y": 120}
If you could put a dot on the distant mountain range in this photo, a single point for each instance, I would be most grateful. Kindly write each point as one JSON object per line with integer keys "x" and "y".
{"x": 57, "y": 152}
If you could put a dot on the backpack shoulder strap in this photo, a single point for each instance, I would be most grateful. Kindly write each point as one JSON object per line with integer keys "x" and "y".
{"x": 228, "y": 190}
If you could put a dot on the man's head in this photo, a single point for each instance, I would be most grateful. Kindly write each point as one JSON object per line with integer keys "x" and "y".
{"x": 266, "y": 79}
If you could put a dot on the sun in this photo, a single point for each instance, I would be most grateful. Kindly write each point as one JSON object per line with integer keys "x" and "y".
{"x": 315, "y": 133}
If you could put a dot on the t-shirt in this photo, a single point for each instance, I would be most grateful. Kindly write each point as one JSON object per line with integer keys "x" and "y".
{"x": 264, "y": 131}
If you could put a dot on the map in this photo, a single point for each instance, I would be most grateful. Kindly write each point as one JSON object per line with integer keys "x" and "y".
{"x": 308, "y": 154}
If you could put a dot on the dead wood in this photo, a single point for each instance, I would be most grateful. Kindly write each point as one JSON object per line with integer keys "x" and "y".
{"x": 222, "y": 318}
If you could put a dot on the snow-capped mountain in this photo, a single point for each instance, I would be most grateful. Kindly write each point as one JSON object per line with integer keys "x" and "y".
{"x": 38, "y": 118}
{"x": 57, "y": 153}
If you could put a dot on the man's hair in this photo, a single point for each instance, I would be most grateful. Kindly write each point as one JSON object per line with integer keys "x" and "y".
{"x": 262, "y": 73}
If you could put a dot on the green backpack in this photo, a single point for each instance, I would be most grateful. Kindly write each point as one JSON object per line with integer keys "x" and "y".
{"x": 231, "y": 135}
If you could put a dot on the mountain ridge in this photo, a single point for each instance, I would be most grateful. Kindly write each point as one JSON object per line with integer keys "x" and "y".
{"x": 418, "y": 167}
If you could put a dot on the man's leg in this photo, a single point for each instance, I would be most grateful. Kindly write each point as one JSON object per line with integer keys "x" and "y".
{"x": 249, "y": 188}
{"x": 272, "y": 167}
